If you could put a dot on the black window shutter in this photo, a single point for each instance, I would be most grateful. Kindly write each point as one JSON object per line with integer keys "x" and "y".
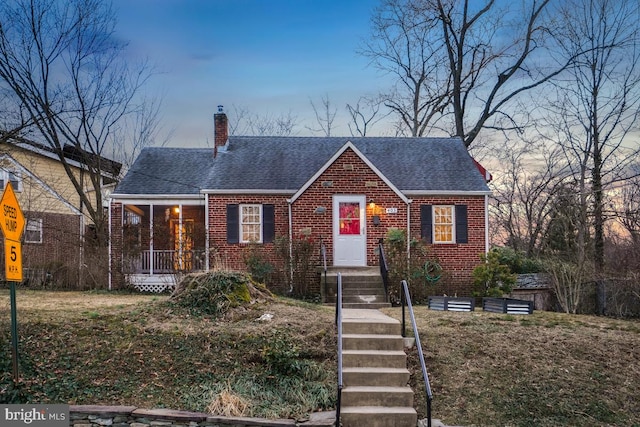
{"x": 426, "y": 223}
{"x": 462, "y": 233}
{"x": 268, "y": 223}
{"x": 233, "y": 224}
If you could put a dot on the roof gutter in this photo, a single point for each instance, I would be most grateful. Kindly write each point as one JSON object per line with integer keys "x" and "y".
{"x": 248, "y": 191}
{"x": 147, "y": 197}
{"x": 446, "y": 193}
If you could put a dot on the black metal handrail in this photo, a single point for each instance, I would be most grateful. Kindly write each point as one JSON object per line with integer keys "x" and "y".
{"x": 339, "y": 325}
{"x": 384, "y": 269}
{"x": 406, "y": 299}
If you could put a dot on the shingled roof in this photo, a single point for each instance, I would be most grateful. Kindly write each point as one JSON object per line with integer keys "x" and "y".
{"x": 167, "y": 171}
{"x": 285, "y": 164}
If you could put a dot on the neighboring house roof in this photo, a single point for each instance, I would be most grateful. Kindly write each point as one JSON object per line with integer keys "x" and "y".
{"x": 75, "y": 156}
{"x": 533, "y": 281}
{"x": 35, "y": 179}
{"x": 285, "y": 164}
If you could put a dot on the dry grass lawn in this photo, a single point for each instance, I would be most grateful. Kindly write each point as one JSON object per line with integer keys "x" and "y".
{"x": 486, "y": 369}
{"x": 545, "y": 369}
{"x": 116, "y": 349}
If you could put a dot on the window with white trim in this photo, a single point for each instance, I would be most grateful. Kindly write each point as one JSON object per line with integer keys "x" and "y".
{"x": 251, "y": 223}
{"x": 33, "y": 231}
{"x": 443, "y": 224}
{"x": 11, "y": 176}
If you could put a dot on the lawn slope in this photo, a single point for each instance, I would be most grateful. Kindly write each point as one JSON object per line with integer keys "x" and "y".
{"x": 486, "y": 369}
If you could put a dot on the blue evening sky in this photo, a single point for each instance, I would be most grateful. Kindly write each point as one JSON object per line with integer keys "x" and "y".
{"x": 270, "y": 56}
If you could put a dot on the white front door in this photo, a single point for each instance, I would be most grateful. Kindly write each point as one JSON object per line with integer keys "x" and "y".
{"x": 349, "y": 231}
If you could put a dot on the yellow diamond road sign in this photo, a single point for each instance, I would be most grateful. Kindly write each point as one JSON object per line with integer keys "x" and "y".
{"x": 11, "y": 217}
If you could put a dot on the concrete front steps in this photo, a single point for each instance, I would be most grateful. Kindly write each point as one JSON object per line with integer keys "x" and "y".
{"x": 375, "y": 374}
{"x": 362, "y": 287}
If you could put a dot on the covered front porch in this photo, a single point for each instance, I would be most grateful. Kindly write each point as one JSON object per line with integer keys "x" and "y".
{"x": 161, "y": 241}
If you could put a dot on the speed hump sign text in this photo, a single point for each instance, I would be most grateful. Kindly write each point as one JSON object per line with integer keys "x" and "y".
{"x": 12, "y": 223}
{"x": 13, "y": 260}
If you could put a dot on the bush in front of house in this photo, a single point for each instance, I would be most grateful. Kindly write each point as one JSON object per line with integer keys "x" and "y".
{"x": 422, "y": 271}
{"x": 215, "y": 292}
{"x": 492, "y": 278}
{"x": 258, "y": 264}
{"x": 300, "y": 257}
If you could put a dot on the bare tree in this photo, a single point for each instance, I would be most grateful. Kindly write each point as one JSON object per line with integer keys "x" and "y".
{"x": 599, "y": 100}
{"x": 325, "y": 116}
{"x": 404, "y": 42}
{"x": 524, "y": 192}
{"x": 140, "y": 129}
{"x": 492, "y": 50}
{"x": 364, "y": 114}
{"x": 462, "y": 65}
{"x": 244, "y": 122}
{"x": 65, "y": 71}
{"x": 630, "y": 210}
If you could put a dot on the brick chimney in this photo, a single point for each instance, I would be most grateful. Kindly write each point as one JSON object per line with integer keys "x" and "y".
{"x": 221, "y": 130}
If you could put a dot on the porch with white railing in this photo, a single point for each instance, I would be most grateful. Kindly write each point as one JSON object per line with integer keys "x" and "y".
{"x": 156, "y": 271}
{"x": 166, "y": 261}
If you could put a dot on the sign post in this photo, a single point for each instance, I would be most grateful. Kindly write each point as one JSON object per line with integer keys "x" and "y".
{"x": 12, "y": 224}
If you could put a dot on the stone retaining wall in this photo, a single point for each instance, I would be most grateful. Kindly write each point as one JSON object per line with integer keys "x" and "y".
{"x": 130, "y": 416}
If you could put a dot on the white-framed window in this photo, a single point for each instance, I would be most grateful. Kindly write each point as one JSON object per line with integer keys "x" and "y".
{"x": 444, "y": 224}
{"x": 13, "y": 176}
{"x": 33, "y": 231}
{"x": 251, "y": 223}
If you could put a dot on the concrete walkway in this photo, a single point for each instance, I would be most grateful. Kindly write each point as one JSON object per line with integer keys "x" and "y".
{"x": 377, "y": 317}
{"x": 366, "y": 315}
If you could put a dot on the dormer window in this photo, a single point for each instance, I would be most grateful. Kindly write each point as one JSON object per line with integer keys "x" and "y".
{"x": 11, "y": 176}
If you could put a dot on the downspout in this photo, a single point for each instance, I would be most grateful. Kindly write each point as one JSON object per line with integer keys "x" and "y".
{"x": 409, "y": 234}
{"x": 486, "y": 223}
{"x": 109, "y": 245}
{"x": 206, "y": 228}
{"x": 290, "y": 246}
{"x": 181, "y": 250}
{"x": 151, "y": 208}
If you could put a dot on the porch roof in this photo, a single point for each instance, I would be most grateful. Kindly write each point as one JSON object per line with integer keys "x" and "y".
{"x": 167, "y": 171}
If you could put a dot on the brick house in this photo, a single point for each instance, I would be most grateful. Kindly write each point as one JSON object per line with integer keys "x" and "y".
{"x": 182, "y": 208}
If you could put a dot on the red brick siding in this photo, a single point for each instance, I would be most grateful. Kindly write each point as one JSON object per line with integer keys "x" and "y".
{"x": 357, "y": 179}
{"x": 457, "y": 260}
{"x": 232, "y": 254}
{"x": 117, "y": 278}
{"x": 59, "y": 252}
